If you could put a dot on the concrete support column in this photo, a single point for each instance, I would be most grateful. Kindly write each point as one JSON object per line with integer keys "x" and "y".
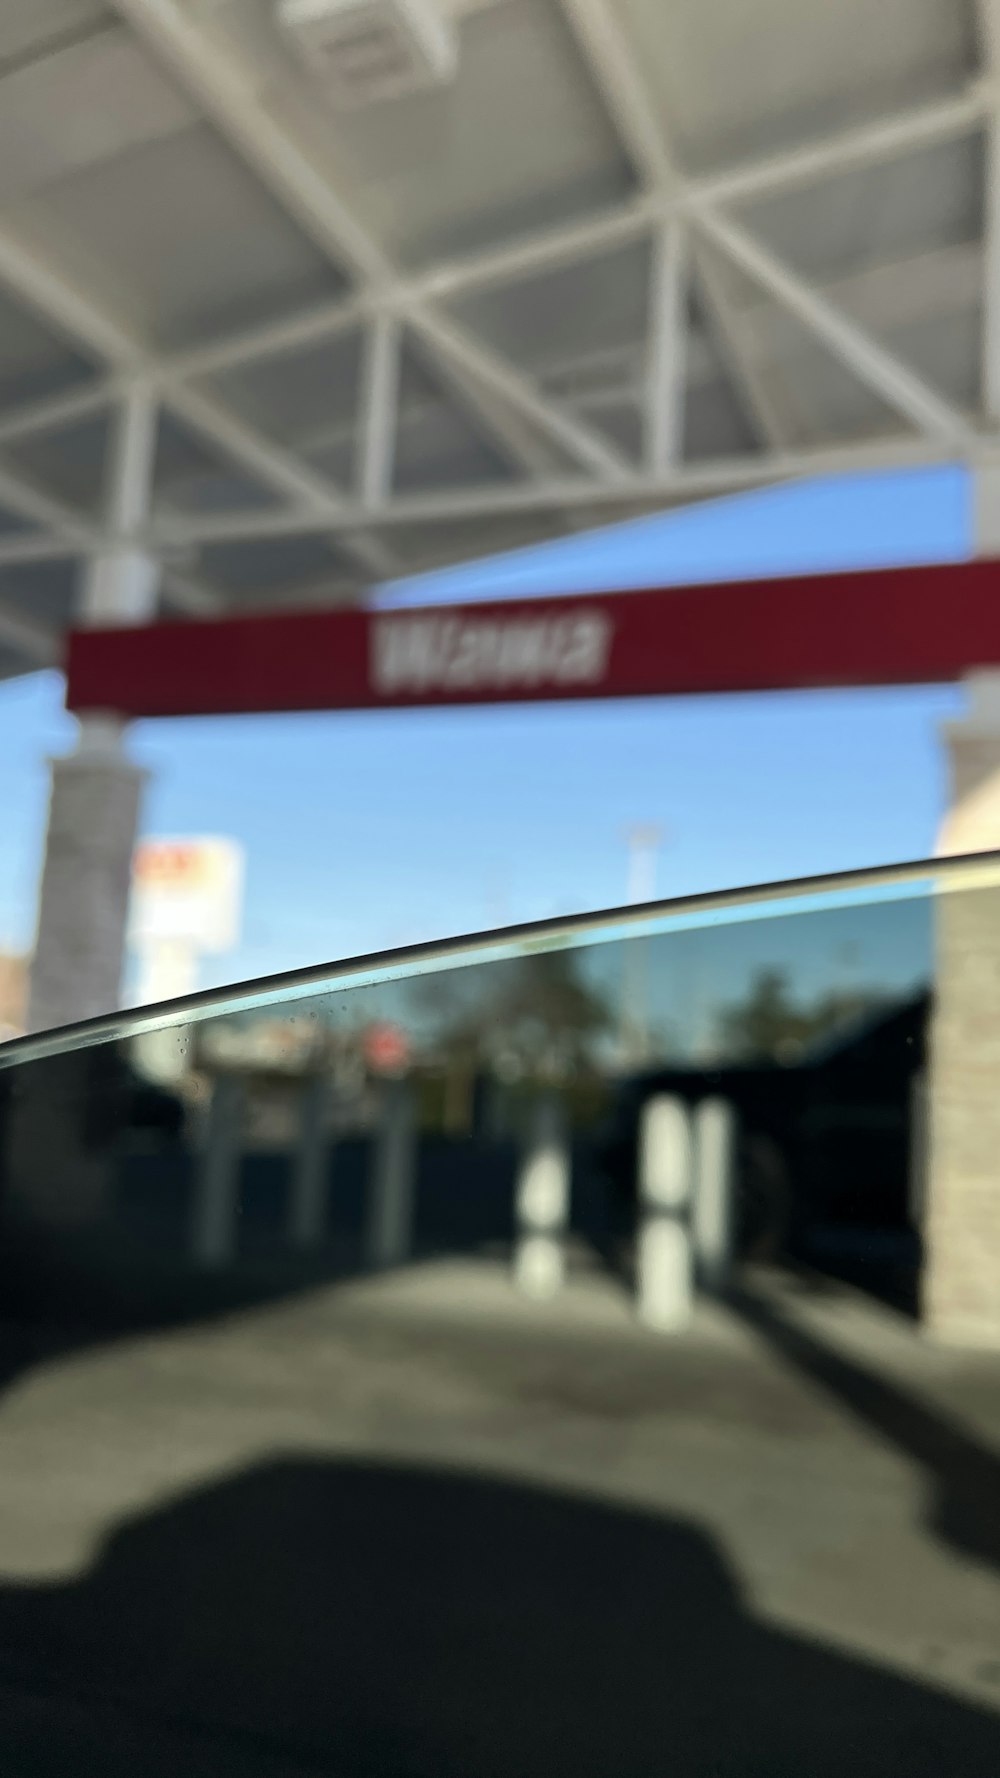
{"x": 83, "y": 907}
{"x": 961, "y": 1186}
{"x": 94, "y": 805}
{"x": 972, "y": 821}
{"x": 120, "y": 583}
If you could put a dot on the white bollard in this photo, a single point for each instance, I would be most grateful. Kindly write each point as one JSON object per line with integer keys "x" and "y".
{"x": 712, "y": 1211}
{"x": 541, "y": 1203}
{"x": 663, "y": 1245}
{"x": 217, "y": 1186}
{"x": 307, "y": 1190}
{"x": 389, "y": 1227}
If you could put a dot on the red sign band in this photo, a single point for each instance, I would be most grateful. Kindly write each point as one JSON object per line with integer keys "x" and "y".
{"x": 888, "y": 627}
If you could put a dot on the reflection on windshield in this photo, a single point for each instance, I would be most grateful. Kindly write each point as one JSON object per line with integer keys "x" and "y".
{"x": 503, "y": 1359}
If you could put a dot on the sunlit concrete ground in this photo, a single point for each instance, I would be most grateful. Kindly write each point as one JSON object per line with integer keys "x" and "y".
{"x": 842, "y": 1471}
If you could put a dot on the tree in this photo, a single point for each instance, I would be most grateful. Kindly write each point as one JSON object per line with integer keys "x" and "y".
{"x": 533, "y": 1012}
{"x": 549, "y": 1016}
{"x": 770, "y": 1025}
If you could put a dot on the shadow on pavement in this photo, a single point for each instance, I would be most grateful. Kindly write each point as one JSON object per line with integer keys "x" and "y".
{"x": 964, "y": 1474}
{"x": 316, "y": 1617}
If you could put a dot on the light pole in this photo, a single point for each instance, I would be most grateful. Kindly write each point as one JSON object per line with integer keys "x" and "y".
{"x": 644, "y": 841}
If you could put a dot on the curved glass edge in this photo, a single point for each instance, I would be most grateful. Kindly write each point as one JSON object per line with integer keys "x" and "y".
{"x": 894, "y": 882}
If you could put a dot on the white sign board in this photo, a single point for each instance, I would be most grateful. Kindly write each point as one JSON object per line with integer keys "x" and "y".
{"x": 186, "y": 891}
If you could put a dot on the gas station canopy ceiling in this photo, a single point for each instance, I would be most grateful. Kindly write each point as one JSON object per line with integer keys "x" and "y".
{"x": 412, "y": 281}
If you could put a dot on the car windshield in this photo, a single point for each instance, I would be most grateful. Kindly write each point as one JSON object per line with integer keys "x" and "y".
{"x": 556, "y": 1351}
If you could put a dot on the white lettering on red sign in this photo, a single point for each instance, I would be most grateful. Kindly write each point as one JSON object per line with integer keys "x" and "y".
{"x": 494, "y": 654}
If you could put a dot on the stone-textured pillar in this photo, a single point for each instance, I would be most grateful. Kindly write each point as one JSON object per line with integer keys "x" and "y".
{"x": 94, "y": 806}
{"x": 962, "y": 1206}
{"x": 972, "y": 821}
{"x": 961, "y": 1222}
{"x": 83, "y": 908}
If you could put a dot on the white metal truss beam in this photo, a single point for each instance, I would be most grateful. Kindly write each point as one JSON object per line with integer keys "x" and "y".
{"x": 379, "y": 410}
{"x": 267, "y": 339}
{"x": 686, "y": 481}
{"x": 69, "y": 309}
{"x": 642, "y": 130}
{"x": 865, "y": 145}
{"x": 860, "y": 146}
{"x": 666, "y": 337}
{"x": 317, "y": 506}
{"x": 68, "y": 536}
{"x": 508, "y": 429}
{"x": 28, "y": 502}
{"x": 131, "y": 461}
{"x": 120, "y": 581}
{"x": 735, "y": 350}
{"x": 55, "y": 411}
{"x": 898, "y": 386}
{"x": 190, "y": 593}
{"x": 912, "y": 291}
{"x": 39, "y": 546}
{"x": 228, "y": 92}
{"x": 646, "y": 137}
{"x": 599, "y": 36}
{"x": 851, "y": 149}
{"x": 278, "y": 469}
{"x": 39, "y": 644}
{"x": 453, "y": 347}
{"x": 86, "y": 324}
{"x": 323, "y": 321}
{"x": 75, "y": 315}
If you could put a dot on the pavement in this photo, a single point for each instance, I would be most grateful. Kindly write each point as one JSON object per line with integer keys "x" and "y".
{"x": 412, "y": 1525}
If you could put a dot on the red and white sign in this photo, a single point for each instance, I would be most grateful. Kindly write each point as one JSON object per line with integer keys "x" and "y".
{"x": 902, "y": 626}
{"x": 186, "y": 891}
{"x": 422, "y": 652}
{"x": 386, "y": 1049}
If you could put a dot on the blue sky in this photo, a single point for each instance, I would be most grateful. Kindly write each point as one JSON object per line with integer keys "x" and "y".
{"x": 364, "y": 830}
